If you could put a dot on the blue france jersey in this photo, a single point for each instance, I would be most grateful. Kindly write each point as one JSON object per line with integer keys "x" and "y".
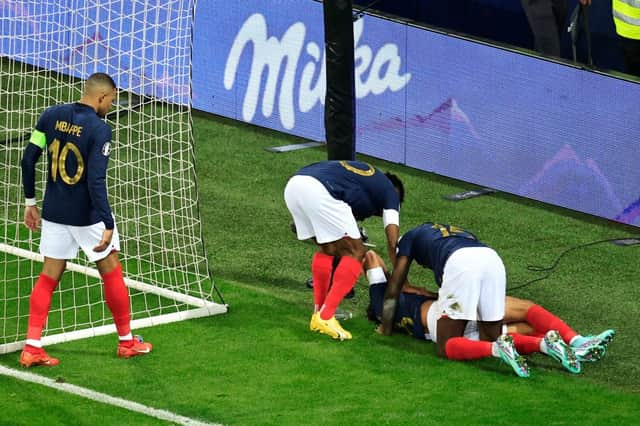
{"x": 407, "y": 317}
{"x": 431, "y": 244}
{"x": 366, "y": 189}
{"x": 78, "y": 146}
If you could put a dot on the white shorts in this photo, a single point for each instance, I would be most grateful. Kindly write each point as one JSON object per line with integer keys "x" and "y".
{"x": 473, "y": 285}
{"x": 59, "y": 241}
{"x": 316, "y": 213}
{"x": 435, "y": 312}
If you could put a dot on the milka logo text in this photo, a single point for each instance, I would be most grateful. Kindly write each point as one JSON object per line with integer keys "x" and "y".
{"x": 374, "y": 73}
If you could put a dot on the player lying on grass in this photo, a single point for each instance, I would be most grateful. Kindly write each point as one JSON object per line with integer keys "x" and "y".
{"x": 472, "y": 285}
{"x": 531, "y": 327}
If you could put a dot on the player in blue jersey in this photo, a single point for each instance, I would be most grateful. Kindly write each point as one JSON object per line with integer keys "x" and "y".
{"x": 326, "y": 199}
{"x": 472, "y": 281}
{"x": 75, "y": 211}
{"x": 531, "y": 327}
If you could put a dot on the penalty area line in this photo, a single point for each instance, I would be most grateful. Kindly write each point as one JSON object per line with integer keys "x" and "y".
{"x": 103, "y": 398}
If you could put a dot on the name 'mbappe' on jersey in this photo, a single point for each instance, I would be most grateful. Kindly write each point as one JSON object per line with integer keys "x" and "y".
{"x": 78, "y": 147}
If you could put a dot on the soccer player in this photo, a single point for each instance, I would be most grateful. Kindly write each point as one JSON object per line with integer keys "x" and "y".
{"x": 326, "y": 199}
{"x": 75, "y": 211}
{"x": 531, "y": 327}
{"x": 471, "y": 277}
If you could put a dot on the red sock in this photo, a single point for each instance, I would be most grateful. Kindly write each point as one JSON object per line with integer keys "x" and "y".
{"x": 344, "y": 278}
{"x": 117, "y": 298}
{"x": 39, "y": 304}
{"x": 543, "y": 321}
{"x": 32, "y": 349}
{"x": 526, "y": 344}
{"x": 321, "y": 267}
{"x": 461, "y": 349}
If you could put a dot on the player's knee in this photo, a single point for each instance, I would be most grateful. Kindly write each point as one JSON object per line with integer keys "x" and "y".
{"x": 371, "y": 260}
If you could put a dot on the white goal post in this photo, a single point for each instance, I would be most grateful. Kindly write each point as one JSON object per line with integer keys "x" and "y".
{"x": 47, "y": 49}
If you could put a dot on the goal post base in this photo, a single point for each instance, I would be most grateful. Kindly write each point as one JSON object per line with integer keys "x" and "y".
{"x": 202, "y": 308}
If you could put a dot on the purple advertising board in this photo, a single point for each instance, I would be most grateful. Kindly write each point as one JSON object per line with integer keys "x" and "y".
{"x": 463, "y": 109}
{"x": 467, "y": 110}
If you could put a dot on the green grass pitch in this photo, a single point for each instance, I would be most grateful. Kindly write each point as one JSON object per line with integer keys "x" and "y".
{"x": 260, "y": 365}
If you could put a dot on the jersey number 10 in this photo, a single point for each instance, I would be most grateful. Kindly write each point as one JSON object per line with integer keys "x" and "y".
{"x": 59, "y": 161}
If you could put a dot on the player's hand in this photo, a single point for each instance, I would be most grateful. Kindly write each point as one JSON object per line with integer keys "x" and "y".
{"x": 32, "y": 217}
{"x": 107, "y": 234}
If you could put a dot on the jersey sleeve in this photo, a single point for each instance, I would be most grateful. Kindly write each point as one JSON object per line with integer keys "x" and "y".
{"x": 31, "y": 155}
{"x": 405, "y": 245}
{"x": 97, "y": 174}
{"x": 30, "y": 158}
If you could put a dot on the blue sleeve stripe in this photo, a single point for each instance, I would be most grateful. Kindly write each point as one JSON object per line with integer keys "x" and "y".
{"x": 38, "y": 138}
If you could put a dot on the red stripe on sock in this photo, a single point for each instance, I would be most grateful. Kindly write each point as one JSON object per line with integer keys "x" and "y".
{"x": 39, "y": 304}
{"x": 321, "y": 266}
{"x": 344, "y": 278}
{"x": 543, "y": 321}
{"x": 117, "y": 297}
{"x": 526, "y": 344}
{"x": 461, "y": 349}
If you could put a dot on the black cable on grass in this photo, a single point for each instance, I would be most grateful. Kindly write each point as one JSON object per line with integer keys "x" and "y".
{"x": 549, "y": 269}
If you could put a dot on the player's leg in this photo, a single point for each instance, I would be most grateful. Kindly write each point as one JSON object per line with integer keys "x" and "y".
{"x": 491, "y": 296}
{"x": 587, "y": 348}
{"x": 338, "y": 236}
{"x": 551, "y": 345}
{"x": 316, "y": 215}
{"x": 115, "y": 291}
{"x": 452, "y": 346}
{"x": 56, "y": 245}
{"x": 39, "y": 304}
{"x": 457, "y": 304}
{"x": 351, "y": 254}
{"x": 541, "y": 319}
{"x": 299, "y": 195}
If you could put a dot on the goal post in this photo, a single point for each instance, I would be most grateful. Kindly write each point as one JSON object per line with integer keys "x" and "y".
{"x": 48, "y": 48}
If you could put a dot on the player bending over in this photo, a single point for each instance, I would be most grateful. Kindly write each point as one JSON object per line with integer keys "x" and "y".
{"x": 75, "y": 211}
{"x": 325, "y": 200}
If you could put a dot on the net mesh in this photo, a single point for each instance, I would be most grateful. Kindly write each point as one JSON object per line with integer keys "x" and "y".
{"x": 48, "y": 48}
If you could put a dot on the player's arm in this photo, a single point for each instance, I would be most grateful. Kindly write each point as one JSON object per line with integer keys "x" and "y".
{"x": 97, "y": 184}
{"x": 398, "y": 277}
{"x": 391, "y": 223}
{"x": 408, "y": 288}
{"x": 30, "y": 157}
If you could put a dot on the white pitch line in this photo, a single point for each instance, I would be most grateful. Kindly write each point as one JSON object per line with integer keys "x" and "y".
{"x": 103, "y": 398}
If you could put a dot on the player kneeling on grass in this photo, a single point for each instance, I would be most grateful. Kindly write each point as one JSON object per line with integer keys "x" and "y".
{"x": 75, "y": 212}
{"x": 325, "y": 199}
{"x": 531, "y": 327}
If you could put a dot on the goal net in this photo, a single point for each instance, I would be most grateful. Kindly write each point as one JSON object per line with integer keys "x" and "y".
{"x": 47, "y": 49}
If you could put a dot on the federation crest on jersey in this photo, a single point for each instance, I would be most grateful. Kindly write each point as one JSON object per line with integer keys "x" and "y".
{"x": 106, "y": 149}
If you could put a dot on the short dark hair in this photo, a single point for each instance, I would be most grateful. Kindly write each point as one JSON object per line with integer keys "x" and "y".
{"x": 101, "y": 79}
{"x": 397, "y": 183}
